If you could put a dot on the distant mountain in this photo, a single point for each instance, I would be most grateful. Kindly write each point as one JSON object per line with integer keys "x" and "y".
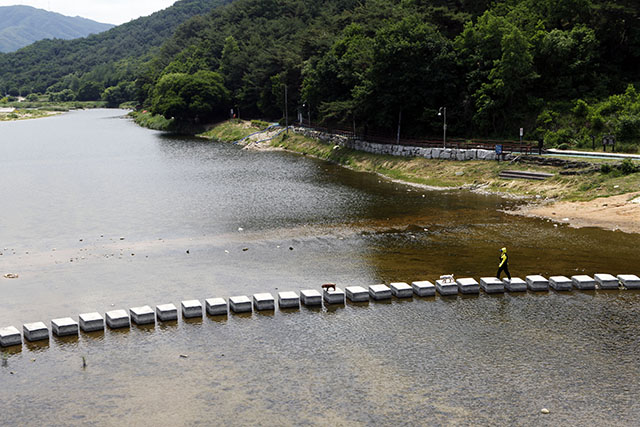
{"x": 22, "y": 25}
{"x": 107, "y": 58}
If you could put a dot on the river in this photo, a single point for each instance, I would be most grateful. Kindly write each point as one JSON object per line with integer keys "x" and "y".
{"x": 98, "y": 214}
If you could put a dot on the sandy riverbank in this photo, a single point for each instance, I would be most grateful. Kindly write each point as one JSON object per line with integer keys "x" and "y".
{"x": 620, "y": 212}
{"x": 26, "y": 114}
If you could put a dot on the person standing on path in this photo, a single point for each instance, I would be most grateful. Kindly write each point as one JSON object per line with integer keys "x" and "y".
{"x": 504, "y": 263}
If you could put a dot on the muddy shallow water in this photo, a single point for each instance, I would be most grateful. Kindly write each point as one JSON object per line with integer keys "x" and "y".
{"x": 74, "y": 185}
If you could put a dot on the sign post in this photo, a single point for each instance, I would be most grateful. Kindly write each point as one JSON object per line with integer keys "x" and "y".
{"x": 609, "y": 140}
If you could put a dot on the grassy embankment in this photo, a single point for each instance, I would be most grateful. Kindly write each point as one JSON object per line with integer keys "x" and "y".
{"x": 481, "y": 175}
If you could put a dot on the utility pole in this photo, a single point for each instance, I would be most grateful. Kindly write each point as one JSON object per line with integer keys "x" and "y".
{"x": 286, "y": 108}
{"x": 443, "y": 112}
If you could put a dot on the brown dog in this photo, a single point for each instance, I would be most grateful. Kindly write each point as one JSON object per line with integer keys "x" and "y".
{"x": 328, "y": 286}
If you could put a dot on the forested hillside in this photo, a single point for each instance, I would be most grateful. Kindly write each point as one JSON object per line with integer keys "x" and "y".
{"x": 97, "y": 61}
{"x": 547, "y": 66}
{"x": 564, "y": 71}
{"x": 22, "y": 25}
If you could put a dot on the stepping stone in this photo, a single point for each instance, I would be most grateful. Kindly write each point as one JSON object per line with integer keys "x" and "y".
{"x": 560, "y": 283}
{"x": 629, "y": 281}
{"x": 117, "y": 319}
{"x": 240, "y": 304}
{"x": 335, "y": 296}
{"x": 91, "y": 322}
{"x": 166, "y": 312}
{"x": 35, "y": 331}
{"x": 537, "y": 283}
{"x": 607, "y": 281}
{"x": 446, "y": 288}
{"x": 264, "y": 301}
{"x": 64, "y": 326}
{"x": 142, "y": 315}
{"x": 357, "y": 293}
{"x": 288, "y": 300}
{"x": 216, "y": 306}
{"x": 516, "y": 284}
{"x": 10, "y": 336}
{"x": 191, "y": 308}
{"x": 310, "y": 297}
{"x": 492, "y": 285}
{"x": 468, "y": 286}
{"x": 401, "y": 290}
{"x": 379, "y": 292}
{"x": 583, "y": 282}
{"x": 423, "y": 288}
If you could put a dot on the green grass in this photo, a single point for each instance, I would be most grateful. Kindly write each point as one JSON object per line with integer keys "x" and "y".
{"x": 150, "y": 121}
{"x": 230, "y": 131}
{"x": 448, "y": 173}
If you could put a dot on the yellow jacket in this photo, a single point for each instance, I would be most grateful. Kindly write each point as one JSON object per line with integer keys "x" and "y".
{"x": 504, "y": 258}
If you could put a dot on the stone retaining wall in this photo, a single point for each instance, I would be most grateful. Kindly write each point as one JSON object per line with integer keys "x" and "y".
{"x": 400, "y": 150}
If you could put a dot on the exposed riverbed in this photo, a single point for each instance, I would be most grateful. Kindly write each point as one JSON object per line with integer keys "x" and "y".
{"x": 98, "y": 213}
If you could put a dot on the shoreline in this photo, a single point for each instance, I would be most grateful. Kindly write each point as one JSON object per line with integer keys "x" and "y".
{"x": 28, "y": 115}
{"x": 599, "y": 200}
{"x": 614, "y": 213}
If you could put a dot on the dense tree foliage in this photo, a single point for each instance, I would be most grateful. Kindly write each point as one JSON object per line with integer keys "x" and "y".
{"x": 557, "y": 69}
{"x": 497, "y": 66}
{"x": 189, "y": 97}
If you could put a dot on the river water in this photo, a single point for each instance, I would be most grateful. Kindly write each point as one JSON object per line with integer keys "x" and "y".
{"x": 98, "y": 214}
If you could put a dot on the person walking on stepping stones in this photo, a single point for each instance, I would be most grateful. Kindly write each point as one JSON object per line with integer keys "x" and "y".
{"x": 504, "y": 263}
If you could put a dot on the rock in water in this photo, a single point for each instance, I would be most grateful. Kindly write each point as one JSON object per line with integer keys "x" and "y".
{"x": 544, "y": 411}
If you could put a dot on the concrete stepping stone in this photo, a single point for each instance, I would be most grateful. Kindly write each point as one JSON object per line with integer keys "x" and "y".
{"x": 583, "y": 282}
{"x": 607, "y": 281}
{"x": 357, "y": 293}
{"x": 216, "y": 306}
{"x": 191, "y": 309}
{"x": 64, "y": 326}
{"x": 379, "y": 292}
{"x": 264, "y": 301}
{"x": 401, "y": 290}
{"x": 117, "y": 319}
{"x": 560, "y": 283}
{"x": 516, "y": 284}
{"x": 468, "y": 285}
{"x": 334, "y": 296}
{"x": 446, "y": 288}
{"x": 629, "y": 281}
{"x": 310, "y": 297}
{"x": 142, "y": 315}
{"x": 423, "y": 288}
{"x": 10, "y": 336}
{"x": 36, "y": 331}
{"x": 492, "y": 285}
{"x": 288, "y": 300}
{"x": 166, "y": 312}
{"x": 91, "y": 322}
{"x": 240, "y": 304}
{"x": 537, "y": 283}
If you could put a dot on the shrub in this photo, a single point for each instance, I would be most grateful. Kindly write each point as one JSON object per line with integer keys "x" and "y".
{"x": 605, "y": 168}
{"x": 563, "y": 146}
{"x": 627, "y": 166}
{"x": 260, "y": 124}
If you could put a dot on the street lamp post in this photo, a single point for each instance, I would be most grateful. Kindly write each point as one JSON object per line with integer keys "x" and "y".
{"x": 443, "y": 112}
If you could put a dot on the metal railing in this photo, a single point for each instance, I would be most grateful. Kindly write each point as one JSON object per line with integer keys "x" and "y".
{"x": 508, "y": 146}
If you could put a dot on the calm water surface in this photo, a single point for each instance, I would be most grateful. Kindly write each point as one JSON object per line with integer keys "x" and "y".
{"x": 97, "y": 214}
